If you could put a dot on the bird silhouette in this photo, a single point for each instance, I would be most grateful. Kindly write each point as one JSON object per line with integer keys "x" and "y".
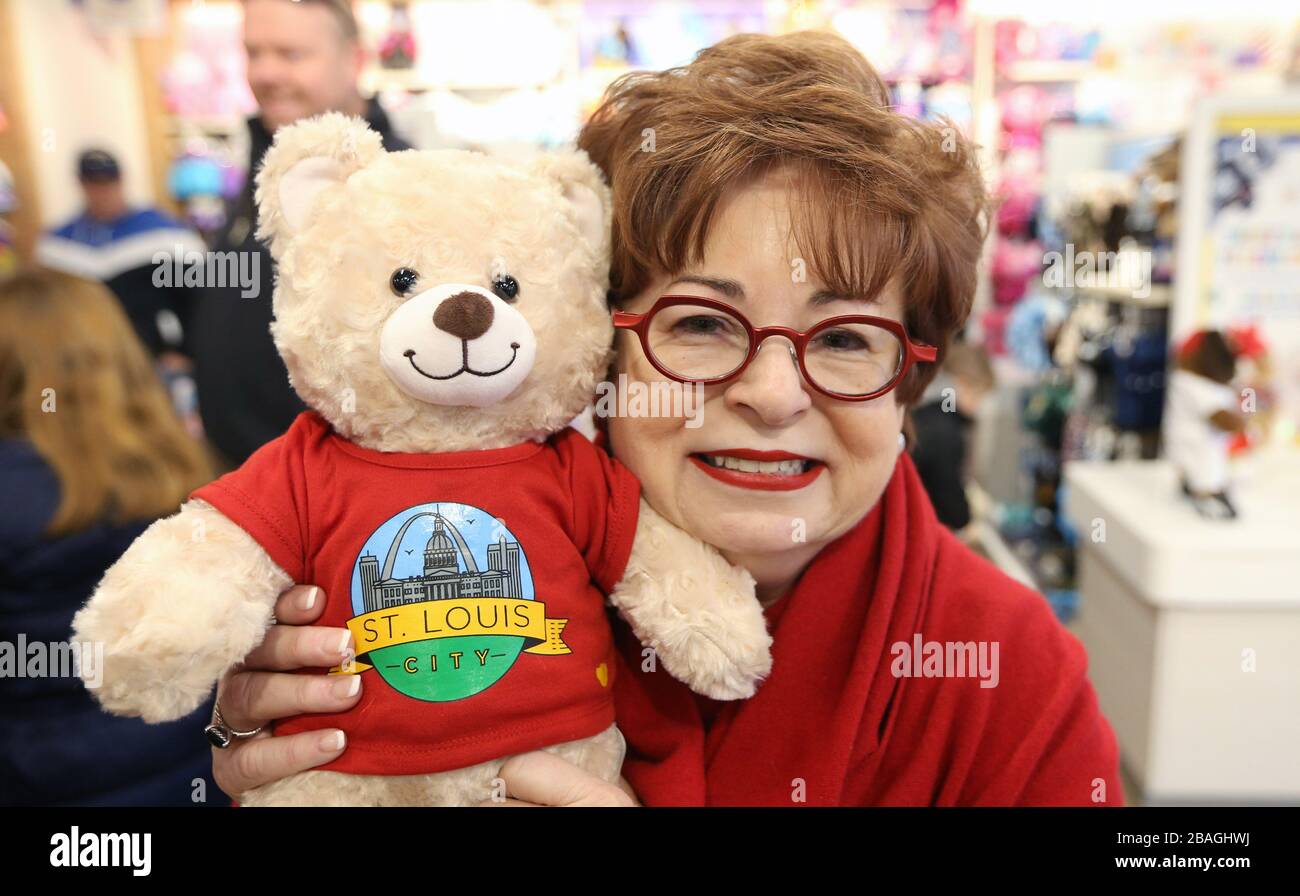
{"x": 409, "y": 551}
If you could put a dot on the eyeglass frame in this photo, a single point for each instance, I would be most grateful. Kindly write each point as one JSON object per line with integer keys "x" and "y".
{"x": 913, "y": 352}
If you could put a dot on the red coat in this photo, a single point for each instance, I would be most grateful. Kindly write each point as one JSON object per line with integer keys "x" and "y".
{"x": 849, "y": 715}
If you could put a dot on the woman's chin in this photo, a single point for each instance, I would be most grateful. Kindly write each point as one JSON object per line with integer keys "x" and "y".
{"x": 748, "y": 531}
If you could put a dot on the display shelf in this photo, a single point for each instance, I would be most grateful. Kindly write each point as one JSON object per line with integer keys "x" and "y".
{"x": 1046, "y": 71}
{"x": 1159, "y": 296}
{"x": 207, "y": 124}
{"x": 991, "y": 540}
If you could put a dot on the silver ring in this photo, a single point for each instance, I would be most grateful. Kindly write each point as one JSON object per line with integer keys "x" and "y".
{"x": 221, "y": 735}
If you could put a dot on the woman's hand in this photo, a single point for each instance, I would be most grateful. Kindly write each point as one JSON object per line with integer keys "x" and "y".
{"x": 544, "y": 779}
{"x": 263, "y": 689}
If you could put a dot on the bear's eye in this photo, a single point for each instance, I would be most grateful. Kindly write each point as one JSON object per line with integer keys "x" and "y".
{"x": 506, "y": 287}
{"x": 403, "y": 281}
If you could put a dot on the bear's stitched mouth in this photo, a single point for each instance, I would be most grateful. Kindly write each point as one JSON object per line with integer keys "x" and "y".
{"x": 464, "y": 366}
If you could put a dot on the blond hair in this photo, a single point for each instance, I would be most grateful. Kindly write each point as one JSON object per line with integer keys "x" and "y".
{"x": 76, "y": 382}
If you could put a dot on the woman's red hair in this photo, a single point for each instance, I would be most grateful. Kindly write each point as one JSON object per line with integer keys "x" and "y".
{"x": 890, "y": 198}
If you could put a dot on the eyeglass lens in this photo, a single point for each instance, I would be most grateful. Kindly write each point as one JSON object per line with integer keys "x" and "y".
{"x": 699, "y": 342}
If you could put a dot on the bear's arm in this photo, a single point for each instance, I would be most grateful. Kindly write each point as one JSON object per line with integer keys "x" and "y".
{"x": 191, "y": 597}
{"x": 694, "y": 609}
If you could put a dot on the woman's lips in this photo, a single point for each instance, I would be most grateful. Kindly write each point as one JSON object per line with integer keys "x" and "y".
{"x": 763, "y": 470}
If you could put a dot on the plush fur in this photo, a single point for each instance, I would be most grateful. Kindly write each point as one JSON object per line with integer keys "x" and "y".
{"x": 195, "y": 593}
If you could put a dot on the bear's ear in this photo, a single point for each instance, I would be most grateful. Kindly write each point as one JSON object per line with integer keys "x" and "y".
{"x": 584, "y": 186}
{"x": 307, "y": 158}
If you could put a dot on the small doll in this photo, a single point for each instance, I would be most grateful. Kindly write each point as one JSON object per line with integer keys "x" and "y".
{"x": 1202, "y": 413}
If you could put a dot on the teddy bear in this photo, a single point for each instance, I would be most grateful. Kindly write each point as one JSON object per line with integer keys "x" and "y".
{"x": 1202, "y": 413}
{"x": 443, "y": 315}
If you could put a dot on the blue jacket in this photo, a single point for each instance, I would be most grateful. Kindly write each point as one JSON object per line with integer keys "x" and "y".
{"x": 57, "y": 747}
{"x": 120, "y": 254}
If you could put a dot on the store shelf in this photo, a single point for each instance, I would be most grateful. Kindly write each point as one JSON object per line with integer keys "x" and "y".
{"x": 1159, "y": 295}
{"x": 1046, "y": 71}
{"x": 1001, "y": 554}
{"x": 209, "y": 124}
{"x": 991, "y": 540}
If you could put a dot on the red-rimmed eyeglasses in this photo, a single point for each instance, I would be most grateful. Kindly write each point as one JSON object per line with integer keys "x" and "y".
{"x": 853, "y": 357}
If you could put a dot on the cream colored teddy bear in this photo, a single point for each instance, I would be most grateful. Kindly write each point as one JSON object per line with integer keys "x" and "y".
{"x": 443, "y": 314}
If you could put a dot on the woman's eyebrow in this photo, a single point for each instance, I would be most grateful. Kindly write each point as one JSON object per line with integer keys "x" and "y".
{"x": 733, "y": 290}
{"x": 729, "y": 288}
{"x": 826, "y": 296}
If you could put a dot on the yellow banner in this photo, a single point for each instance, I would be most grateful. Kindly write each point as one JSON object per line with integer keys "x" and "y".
{"x": 1264, "y": 121}
{"x": 454, "y": 617}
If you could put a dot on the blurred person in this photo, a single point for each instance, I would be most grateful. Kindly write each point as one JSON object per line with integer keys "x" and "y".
{"x": 304, "y": 58}
{"x": 90, "y": 454}
{"x": 117, "y": 245}
{"x": 941, "y": 423}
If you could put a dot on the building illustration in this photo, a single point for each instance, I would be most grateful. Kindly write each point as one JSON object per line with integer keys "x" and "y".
{"x": 450, "y": 570}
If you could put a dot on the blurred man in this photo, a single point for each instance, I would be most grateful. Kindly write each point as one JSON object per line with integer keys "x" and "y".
{"x": 117, "y": 245}
{"x": 304, "y": 58}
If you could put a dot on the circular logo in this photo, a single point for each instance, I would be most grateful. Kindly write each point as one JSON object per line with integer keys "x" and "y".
{"x": 444, "y": 602}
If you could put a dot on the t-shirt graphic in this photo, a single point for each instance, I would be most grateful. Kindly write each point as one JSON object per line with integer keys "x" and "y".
{"x": 444, "y": 603}
{"x": 473, "y": 584}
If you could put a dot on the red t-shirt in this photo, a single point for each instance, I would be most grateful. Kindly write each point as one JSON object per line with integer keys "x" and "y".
{"x": 854, "y": 714}
{"x": 471, "y": 581}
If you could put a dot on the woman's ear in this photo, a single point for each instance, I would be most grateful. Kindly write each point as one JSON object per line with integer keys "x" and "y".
{"x": 584, "y": 187}
{"x": 306, "y": 159}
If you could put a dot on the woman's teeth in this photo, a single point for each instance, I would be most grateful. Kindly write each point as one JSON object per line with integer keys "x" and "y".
{"x": 773, "y": 467}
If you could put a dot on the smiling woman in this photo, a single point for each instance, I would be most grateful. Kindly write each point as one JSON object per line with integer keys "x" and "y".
{"x": 767, "y": 195}
{"x": 801, "y": 255}
{"x": 771, "y": 177}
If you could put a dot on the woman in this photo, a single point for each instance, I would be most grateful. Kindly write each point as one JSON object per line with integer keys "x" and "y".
{"x": 90, "y": 454}
{"x": 770, "y": 181}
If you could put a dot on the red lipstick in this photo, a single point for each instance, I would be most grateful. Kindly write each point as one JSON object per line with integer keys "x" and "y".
{"x": 761, "y": 481}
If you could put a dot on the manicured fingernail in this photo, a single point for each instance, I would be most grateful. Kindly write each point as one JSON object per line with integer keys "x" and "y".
{"x": 344, "y": 643}
{"x": 308, "y": 599}
{"x": 332, "y": 741}
{"x": 347, "y": 687}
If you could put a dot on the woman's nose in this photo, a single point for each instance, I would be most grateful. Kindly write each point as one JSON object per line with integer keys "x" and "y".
{"x": 772, "y": 386}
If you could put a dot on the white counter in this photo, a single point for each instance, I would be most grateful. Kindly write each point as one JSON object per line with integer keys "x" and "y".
{"x": 1178, "y": 556}
{"x": 1193, "y": 627}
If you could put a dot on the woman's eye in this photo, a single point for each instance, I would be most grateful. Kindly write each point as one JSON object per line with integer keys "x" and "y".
{"x": 506, "y": 287}
{"x": 403, "y": 281}
{"x": 700, "y": 325}
{"x": 843, "y": 341}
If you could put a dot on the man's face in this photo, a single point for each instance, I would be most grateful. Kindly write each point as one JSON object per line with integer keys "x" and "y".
{"x": 299, "y": 63}
{"x": 105, "y": 199}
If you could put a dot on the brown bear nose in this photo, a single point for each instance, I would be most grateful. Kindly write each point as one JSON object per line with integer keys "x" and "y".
{"x": 466, "y": 315}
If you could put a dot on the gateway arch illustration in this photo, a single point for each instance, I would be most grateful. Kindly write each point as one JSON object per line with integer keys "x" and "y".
{"x": 449, "y": 571}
